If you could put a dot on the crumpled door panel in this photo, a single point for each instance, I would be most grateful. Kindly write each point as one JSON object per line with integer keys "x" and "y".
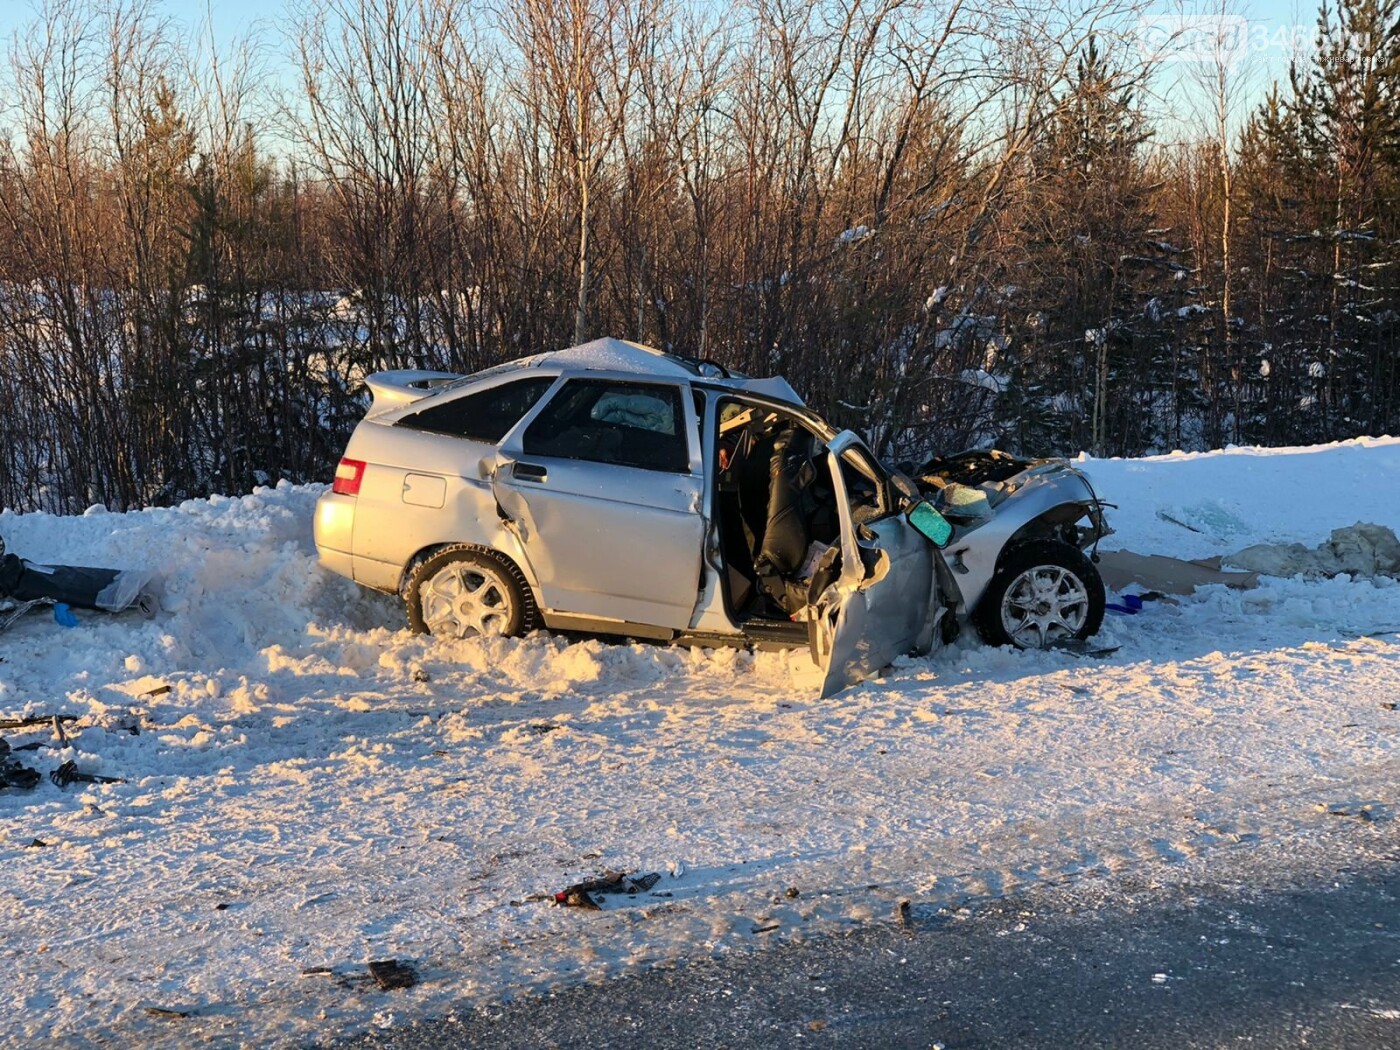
{"x": 863, "y": 625}
{"x": 885, "y": 600}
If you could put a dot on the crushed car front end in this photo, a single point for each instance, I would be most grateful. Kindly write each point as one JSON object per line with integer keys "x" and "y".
{"x": 1040, "y": 516}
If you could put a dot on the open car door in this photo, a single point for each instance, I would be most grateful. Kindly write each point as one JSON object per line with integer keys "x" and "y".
{"x": 885, "y": 600}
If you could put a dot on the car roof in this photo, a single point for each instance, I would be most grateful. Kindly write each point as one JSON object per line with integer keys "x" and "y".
{"x": 394, "y": 391}
{"x": 621, "y": 355}
{"x": 625, "y": 356}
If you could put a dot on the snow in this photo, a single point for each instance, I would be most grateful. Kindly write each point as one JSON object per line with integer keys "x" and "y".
{"x": 986, "y": 380}
{"x": 308, "y": 785}
{"x": 620, "y": 355}
{"x": 1233, "y": 498}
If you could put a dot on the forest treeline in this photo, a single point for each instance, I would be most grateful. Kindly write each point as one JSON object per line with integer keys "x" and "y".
{"x": 948, "y": 222}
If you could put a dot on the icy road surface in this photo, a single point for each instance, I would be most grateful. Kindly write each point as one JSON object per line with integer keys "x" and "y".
{"x": 317, "y": 788}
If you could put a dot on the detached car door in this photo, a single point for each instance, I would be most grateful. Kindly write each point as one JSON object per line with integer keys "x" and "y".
{"x": 604, "y": 489}
{"x": 885, "y": 601}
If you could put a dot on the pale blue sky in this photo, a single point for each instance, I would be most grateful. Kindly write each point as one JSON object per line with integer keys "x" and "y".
{"x": 231, "y": 19}
{"x": 1273, "y": 25}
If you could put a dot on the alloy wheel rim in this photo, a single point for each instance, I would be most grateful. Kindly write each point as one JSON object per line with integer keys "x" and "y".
{"x": 1043, "y": 605}
{"x": 461, "y": 600}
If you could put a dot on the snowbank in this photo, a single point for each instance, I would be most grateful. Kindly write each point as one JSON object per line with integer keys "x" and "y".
{"x": 309, "y": 786}
{"x": 1197, "y": 504}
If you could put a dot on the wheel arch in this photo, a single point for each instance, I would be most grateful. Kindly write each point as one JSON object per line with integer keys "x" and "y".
{"x": 1044, "y": 512}
{"x": 433, "y": 549}
{"x": 1052, "y": 524}
{"x": 500, "y": 561}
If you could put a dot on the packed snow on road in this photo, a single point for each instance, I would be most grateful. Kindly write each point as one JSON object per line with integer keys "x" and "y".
{"x": 305, "y": 787}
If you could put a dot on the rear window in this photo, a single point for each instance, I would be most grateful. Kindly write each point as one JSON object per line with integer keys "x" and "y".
{"x": 486, "y": 416}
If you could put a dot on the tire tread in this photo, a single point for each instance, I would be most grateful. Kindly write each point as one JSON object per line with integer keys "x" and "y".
{"x": 423, "y": 567}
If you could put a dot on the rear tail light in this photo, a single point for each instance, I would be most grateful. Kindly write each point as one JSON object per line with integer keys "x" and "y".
{"x": 348, "y": 475}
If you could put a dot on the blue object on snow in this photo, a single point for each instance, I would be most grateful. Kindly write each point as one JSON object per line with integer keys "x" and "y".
{"x": 1130, "y": 605}
{"x": 63, "y": 616}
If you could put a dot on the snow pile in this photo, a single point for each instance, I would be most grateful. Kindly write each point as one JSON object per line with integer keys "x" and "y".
{"x": 1360, "y": 551}
{"x": 1199, "y": 504}
{"x": 309, "y": 787}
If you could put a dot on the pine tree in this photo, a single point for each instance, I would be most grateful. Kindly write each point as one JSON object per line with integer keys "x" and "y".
{"x": 1087, "y": 221}
{"x": 1319, "y": 165}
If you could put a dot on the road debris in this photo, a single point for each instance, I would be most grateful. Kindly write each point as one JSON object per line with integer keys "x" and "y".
{"x": 391, "y": 974}
{"x": 69, "y": 773}
{"x": 581, "y": 894}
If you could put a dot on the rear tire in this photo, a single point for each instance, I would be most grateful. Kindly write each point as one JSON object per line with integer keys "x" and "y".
{"x": 1043, "y": 592}
{"x": 462, "y": 591}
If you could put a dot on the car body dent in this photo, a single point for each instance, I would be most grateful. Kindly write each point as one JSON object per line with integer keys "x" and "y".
{"x": 398, "y": 389}
{"x": 390, "y": 532}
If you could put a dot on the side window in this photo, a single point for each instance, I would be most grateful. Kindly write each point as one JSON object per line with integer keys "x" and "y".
{"x": 629, "y": 424}
{"x": 486, "y": 416}
{"x": 863, "y": 487}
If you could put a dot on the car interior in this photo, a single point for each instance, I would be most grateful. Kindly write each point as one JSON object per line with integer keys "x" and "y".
{"x": 776, "y": 509}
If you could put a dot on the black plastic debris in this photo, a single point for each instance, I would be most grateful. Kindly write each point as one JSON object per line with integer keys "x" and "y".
{"x": 574, "y": 897}
{"x": 14, "y": 773}
{"x": 903, "y": 917}
{"x": 69, "y": 773}
{"x": 390, "y": 974}
{"x": 26, "y": 721}
{"x": 164, "y": 1011}
{"x": 580, "y": 895}
{"x": 1362, "y": 813}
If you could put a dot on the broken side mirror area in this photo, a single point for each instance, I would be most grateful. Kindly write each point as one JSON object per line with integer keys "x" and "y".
{"x": 930, "y": 523}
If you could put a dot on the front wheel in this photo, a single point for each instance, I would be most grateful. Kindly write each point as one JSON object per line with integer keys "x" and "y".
{"x": 463, "y": 591}
{"x": 1043, "y": 592}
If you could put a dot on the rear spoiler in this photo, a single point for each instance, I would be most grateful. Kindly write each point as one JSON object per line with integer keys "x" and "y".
{"x": 403, "y": 386}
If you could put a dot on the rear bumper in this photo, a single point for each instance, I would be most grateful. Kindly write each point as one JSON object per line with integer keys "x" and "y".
{"x": 333, "y": 530}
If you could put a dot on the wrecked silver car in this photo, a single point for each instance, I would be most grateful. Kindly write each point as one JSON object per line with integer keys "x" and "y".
{"x": 616, "y": 489}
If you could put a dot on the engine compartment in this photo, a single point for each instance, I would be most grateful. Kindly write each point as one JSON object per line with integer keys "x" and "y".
{"x": 967, "y": 487}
